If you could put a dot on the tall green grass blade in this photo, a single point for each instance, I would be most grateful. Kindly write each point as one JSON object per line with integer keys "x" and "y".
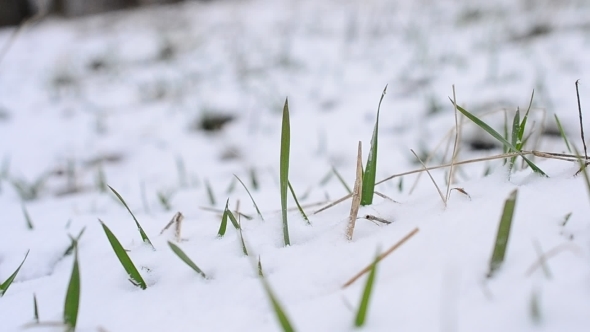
{"x": 499, "y": 137}
{"x": 562, "y": 133}
{"x": 361, "y": 314}
{"x": 28, "y": 218}
{"x": 35, "y": 309}
{"x": 503, "y": 234}
{"x": 515, "y": 136}
{"x": 281, "y": 315}
{"x": 71, "y": 248}
{"x": 183, "y": 257}
{"x": 299, "y": 205}
{"x": 223, "y": 226}
{"x": 126, "y": 262}
{"x": 4, "y": 286}
{"x": 371, "y": 166}
{"x": 210, "y": 193}
{"x": 251, "y": 198}
{"x": 341, "y": 179}
{"x": 144, "y": 236}
{"x": 284, "y": 169}
{"x": 72, "y": 301}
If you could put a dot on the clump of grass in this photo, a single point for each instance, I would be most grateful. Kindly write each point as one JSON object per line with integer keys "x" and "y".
{"x": 227, "y": 214}
{"x": 251, "y": 198}
{"x": 126, "y": 262}
{"x": 370, "y": 171}
{"x": 186, "y": 259}
{"x": 361, "y": 314}
{"x": 6, "y": 284}
{"x": 72, "y": 301}
{"x": 503, "y": 234}
{"x": 144, "y": 236}
{"x": 28, "y": 218}
{"x": 284, "y": 169}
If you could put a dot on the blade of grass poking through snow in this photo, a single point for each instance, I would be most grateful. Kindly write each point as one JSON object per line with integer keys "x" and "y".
{"x": 371, "y": 166}
{"x": 224, "y": 217}
{"x": 183, "y": 257}
{"x": 72, "y": 245}
{"x": 562, "y": 133}
{"x": 244, "y": 248}
{"x": 28, "y": 218}
{"x": 356, "y": 195}
{"x": 284, "y": 169}
{"x": 503, "y": 234}
{"x": 233, "y": 219}
{"x": 144, "y": 236}
{"x": 4, "y": 286}
{"x": 298, "y": 205}
{"x": 276, "y": 306}
{"x": 499, "y": 137}
{"x": 251, "y": 198}
{"x": 35, "y": 309}
{"x": 515, "y": 136}
{"x": 72, "y": 301}
{"x": 361, "y": 314}
{"x": 348, "y": 190}
{"x": 210, "y": 192}
{"x": 126, "y": 262}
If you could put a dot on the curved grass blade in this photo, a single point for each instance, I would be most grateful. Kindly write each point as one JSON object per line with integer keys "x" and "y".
{"x": 4, "y": 286}
{"x": 223, "y": 225}
{"x": 503, "y": 234}
{"x": 144, "y": 236}
{"x": 299, "y": 205}
{"x": 371, "y": 166}
{"x": 341, "y": 179}
{"x": 361, "y": 314}
{"x": 126, "y": 262}
{"x": 284, "y": 169}
{"x": 233, "y": 219}
{"x": 499, "y": 137}
{"x": 251, "y": 198}
{"x": 186, "y": 259}
{"x": 276, "y": 306}
{"x": 72, "y": 301}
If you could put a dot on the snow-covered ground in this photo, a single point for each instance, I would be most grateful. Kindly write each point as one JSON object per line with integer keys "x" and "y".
{"x": 123, "y": 96}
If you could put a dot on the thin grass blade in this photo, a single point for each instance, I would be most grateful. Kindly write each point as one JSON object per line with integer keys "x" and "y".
{"x": 371, "y": 166}
{"x": 70, "y": 249}
{"x": 72, "y": 301}
{"x": 28, "y": 218}
{"x": 223, "y": 226}
{"x": 144, "y": 236}
{"x": 341, "y": 179}
{"x": 4, "y": 286}
{"x": 562, "y": 133}
{"x": 503, "y": 234}
{"x": 210, "y": 193}
{"x": 299, "y": 205}
{"x": 126, "y": 262}
{"x": 233, "y": 219}
{"x": 183, "y": 257}
{"x": 35, "y": 309}
{"x": 281, "y": 315}
{"x": 284, "y": 169}
{"x": 361, "y": 314}
{"x": 251, "y": 198}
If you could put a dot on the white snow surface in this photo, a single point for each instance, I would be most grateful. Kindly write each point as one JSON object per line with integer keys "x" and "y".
{"x": 121, "y": 93}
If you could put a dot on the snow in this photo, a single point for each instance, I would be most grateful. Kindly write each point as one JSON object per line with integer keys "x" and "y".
{"x": 121, "y": 93}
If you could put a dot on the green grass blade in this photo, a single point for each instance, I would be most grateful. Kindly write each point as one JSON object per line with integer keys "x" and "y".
{"x": 371, "y": 166}
{"x": 4, "y": 286}
{"x": 583, "y": 170}
{"x": 72, "y": 301}
{"x": 126, "y": 262}
{"x": 254, "y": 179}
{"x": 499, "y": 137}
{"x": 341, "y": 179}
{"x": 244, "y": 248}
{"x": 233, "y": 219}
{"x": 284, "y": 169}
{"x": 144, "y": 236}
{"x": 28, "y": 218}
{"x": 183, "y": 257}
{"x": 223, "y": 226}
{"x": 35, "y": 309}
{"x": 260, "y": 273}
{"x": 70, "y": 249}
{"x": 251, "y": 198}
{"x": 276, "y": 306}
{"x": 515, "y": 136}
{"x": 503, "y": 234}
{"x": 299, "y": 205}
{"x": 361, "y": 314}
{"x": 210, "y": 193}
{"x": 562, "y": 133}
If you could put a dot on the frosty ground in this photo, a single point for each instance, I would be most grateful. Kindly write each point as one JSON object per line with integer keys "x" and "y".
{"x": 120, "y": 99}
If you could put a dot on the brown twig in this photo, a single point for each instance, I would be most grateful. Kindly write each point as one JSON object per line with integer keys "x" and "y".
{"x": 380, "y": 257}
{"x": 356, "y": 194}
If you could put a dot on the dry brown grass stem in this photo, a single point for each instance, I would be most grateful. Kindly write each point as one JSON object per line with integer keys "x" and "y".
{"x": 551, "y": 253}
{"x": 455, "y": 148}
{"x": 431, "y": 178}
{"x": 356, "y": 194}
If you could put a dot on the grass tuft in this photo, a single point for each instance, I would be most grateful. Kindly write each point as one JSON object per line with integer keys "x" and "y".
{"x": 503, "y": 234}
{"x": 361, "y": 314}
{"x": 284, "y": 169}
{"x": 126, "y": 262}
{"x": 251, "y": 198}
{"x": 144, "y": 236}
{"x": 176, "y": 249}
{"x": 6, "y": 284}
{"x": 72, "y": 302}
{"x": 371, "y": 167}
